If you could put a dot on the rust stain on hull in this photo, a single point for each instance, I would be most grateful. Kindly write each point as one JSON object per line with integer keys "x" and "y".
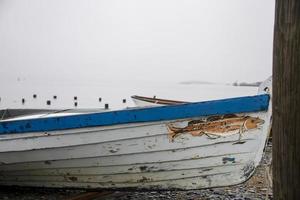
{"x": 216, "y": 126}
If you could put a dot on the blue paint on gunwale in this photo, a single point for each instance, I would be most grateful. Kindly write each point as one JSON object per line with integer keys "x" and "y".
{"x": 189, "y": 110}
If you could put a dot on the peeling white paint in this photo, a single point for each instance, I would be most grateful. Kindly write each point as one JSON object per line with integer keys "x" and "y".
{"x": 131, "y": 156}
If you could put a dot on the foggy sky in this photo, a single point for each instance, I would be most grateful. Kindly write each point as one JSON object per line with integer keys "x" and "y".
{"x": 121, "y": 40}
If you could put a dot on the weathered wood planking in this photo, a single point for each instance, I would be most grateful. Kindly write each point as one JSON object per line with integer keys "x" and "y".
{"x": 129, "y": 146}
{"x": 137, "y": 154}
{"x": 136, "y": 158}
{"x": 205, "y": 181}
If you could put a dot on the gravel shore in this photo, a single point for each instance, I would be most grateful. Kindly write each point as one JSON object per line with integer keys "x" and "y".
{"x": 258, "y": 187}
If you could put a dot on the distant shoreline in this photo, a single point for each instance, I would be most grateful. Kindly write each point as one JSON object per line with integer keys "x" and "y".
{"x": 243, "y": 84}
{"x": 255, "y": 84}
{"x": 197, "y": 82}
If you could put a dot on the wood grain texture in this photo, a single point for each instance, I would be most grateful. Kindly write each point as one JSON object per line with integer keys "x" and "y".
{"x": 144, "y": 158}
{"x": 286, "y": 124}
{"x": 134, "y": 155}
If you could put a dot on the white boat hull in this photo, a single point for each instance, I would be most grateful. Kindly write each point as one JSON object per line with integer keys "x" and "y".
{"x": 135, "y": 155}
{"x": 139, "y": 156}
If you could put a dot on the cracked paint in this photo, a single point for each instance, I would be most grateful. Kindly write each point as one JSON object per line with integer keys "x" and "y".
{"x": 216, "y": 126}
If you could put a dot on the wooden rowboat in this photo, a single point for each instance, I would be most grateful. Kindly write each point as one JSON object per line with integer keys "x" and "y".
{"x": 141, "y": 101}
{"x": 185, "y": 146}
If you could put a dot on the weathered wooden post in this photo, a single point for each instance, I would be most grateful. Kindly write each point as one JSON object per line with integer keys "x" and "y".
{"x": 286, "y": 100}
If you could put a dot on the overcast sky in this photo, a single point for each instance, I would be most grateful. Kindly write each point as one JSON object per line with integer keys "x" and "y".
{"x": 158, "y": 40}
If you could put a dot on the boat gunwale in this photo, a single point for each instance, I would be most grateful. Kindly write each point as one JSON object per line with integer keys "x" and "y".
{"x": 150, "y": 114}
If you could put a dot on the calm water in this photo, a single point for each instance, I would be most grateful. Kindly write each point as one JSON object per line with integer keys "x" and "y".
{"x": 110, "y": 92}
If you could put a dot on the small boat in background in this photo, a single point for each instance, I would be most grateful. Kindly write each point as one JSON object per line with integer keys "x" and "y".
{"x": 183, "y": 146}
{"x": 141, "y": 101}
{"x": 18, "y": 114}
{"x": 12, "y": 113}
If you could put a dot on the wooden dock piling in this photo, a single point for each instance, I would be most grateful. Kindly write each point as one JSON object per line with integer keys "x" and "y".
{"x": 286, "y": 101}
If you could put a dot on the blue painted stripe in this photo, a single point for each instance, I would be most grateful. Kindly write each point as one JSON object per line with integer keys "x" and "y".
{"x": 189, "y": 110}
